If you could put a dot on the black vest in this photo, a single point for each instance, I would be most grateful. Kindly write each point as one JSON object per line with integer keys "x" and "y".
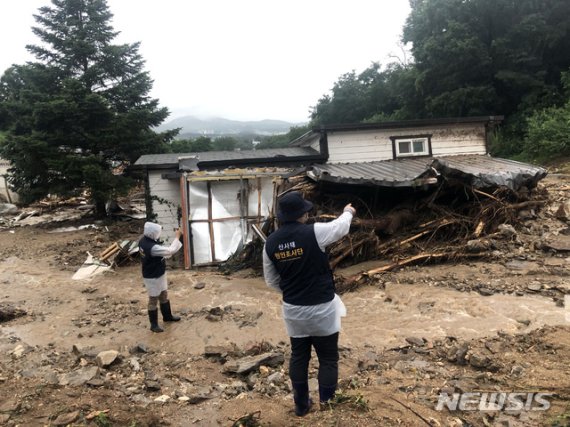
{"x": 306, "y": 278}
{"x": 152, "y": 266}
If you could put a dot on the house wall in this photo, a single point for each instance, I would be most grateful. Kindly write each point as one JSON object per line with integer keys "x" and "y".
{"x": 165, "y": 195}
{"x": 5, "y": 194}
{"x": 375, "y": 144}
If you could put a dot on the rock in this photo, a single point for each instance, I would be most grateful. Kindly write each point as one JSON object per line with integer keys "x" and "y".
{"x": 486, "y": 292}
{"x": 535, "y": 286}
{"x": 8, "y": 312}
{"x": 140, "y": 348}
{"x": 83, "y": 351}
{"x": 9, "y": 406}
{"x": 79, "y": 376}
{"x": 525, "y": 322}
{"x": 133, "y": 361}
{"x": 199, "y": 285}
{"x": 21, "y": 349}
{"x": 275, "y": 377}
{"x": 369, "y": 362}
{"x": 141, "y": 400}
{"x": 152, "y": 385}
{"x": 4, "y": 418}
{"x": 8, "y": 209}
{"x": 563, "y": 211}
{"x": 199, "y": 394}
{"x": 162, "y": 399}
{"x": 507, "y": 230}
{"x": 416, "y": 341}
{"x": 250, "y": 363}
{"x": 479, "y": 361}
{"x": 96, "y": 382}
{"x": 479, "y": 245}
{"x": 465, "y": 386}
{"x": 106, "y": 358}
{"x": 558, "y": 243}
{"x": 216, "y": 351}
{"x": 65, "y": 419}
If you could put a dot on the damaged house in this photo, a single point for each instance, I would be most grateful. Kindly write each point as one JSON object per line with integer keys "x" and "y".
{"x": 221, "y": 199}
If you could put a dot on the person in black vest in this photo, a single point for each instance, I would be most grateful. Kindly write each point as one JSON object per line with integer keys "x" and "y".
{"x": 295, "y": 263}
{"x": 153, "y": 255}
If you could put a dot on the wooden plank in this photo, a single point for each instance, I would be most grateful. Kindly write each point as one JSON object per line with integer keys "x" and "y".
{"x": 211, "y": 223}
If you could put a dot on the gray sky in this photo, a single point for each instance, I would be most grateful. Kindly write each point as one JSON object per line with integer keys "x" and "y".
{"x": 242, "y": 60}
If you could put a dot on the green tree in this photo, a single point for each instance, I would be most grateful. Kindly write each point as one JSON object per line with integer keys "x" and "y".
{"x": 548, "y": 131}
{"x": 482, "y": 57}
{"x": 283, "y": 140}
{"x": 197, "y": 145}
{"x": 81, "y": 110}
{"x": 225, "y": 143}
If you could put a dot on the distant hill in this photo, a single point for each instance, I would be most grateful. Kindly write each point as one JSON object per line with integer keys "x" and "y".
{"x": 217, "y": 126}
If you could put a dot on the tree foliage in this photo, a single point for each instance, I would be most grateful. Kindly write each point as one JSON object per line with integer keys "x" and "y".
{"x": 82, "y": 109}
{"x": 471, "y": 58}
{"x": 549, "y": 129}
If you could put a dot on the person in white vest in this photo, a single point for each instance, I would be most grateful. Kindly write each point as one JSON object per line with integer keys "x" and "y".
{"x": 153, "y": 255}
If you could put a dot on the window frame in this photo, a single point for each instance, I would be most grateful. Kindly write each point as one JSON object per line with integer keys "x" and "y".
{"x": 410, "y": 138}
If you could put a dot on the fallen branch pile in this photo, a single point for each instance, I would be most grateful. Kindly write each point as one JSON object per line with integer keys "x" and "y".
{"x": 454, "y": 221}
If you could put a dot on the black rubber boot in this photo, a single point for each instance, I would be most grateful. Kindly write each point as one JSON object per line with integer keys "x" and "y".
{"x": 153, "y": 317}
{"x": 301, "y": 398}
{"x": 326, "y": 393}
{"x": 167, "y": 315}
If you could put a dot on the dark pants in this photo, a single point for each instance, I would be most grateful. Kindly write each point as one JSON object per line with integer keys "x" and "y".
{"x": 327, "y": 353}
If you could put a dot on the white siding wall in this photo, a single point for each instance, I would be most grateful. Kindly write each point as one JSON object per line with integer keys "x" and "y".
{"x": 6, "y": 194}
{"x": 166, "y": 190}
{"x": 375, "y": 145}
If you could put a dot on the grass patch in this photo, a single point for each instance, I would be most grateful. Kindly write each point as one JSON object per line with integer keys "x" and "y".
{"x": 353, "y": 401}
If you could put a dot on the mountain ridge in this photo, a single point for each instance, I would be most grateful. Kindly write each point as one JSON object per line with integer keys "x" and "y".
{"x": 219, "y": 126}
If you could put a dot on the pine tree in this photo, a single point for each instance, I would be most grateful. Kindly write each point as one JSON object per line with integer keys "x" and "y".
{"x": 81, "y": 110}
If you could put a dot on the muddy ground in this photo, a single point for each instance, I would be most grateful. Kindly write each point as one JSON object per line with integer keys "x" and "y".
{"x": 499, "y": 324}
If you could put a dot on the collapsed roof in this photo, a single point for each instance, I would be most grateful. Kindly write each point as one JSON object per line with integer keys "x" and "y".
{"x": 478, "y": 170}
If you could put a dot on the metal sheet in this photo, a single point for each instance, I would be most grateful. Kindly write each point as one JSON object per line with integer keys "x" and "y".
{"x": 480, "y": 170}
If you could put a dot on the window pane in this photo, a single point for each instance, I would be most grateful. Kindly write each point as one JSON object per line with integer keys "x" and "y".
{"x": 419, "y": 146}
{"x": 404, "y": 147}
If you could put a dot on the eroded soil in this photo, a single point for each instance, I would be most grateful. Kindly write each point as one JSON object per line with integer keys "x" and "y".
{"x": 494, "y": 325}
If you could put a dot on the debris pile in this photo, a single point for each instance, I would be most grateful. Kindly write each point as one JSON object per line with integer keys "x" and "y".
{"x": 455, "y": 220}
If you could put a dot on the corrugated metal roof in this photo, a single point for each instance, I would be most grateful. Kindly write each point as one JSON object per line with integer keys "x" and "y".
{"x": 387, "y": 173}
{"x": 484, "y": 171}
{"x": 172, "y": 159}
{"x": 488, "y": 171}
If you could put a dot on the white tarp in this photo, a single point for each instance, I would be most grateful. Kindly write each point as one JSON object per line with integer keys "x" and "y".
{"x": 230, "y": 227}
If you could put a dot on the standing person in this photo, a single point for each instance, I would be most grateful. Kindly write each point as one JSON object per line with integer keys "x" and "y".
{"x": 153, "y": 255}
{"x": 295, "y": 263}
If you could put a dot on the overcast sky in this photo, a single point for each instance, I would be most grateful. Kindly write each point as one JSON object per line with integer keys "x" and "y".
{"x": 238, "y": 59}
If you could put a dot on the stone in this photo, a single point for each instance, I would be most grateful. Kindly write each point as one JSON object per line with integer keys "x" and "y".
{"x": 140, "y": 348}
{"x": 79, "y": 376}
{"x": 535, "y": 287}
{"x": 479, "y": 361}
{"x": 9, "y": 406}
{"x": 250, "y": 363}
{"x": 563, "y": 211}
{"x": 275, "y": 377}
{"x": 106, "y": 358}
{"x": 415, "y": 341}
{"x": 65, "y": 419}
{"x": 162, "y": 399}
{"x": 152, "y": 385}
{"x": 486, "y": 292}
{"x": 199, "y": 285}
